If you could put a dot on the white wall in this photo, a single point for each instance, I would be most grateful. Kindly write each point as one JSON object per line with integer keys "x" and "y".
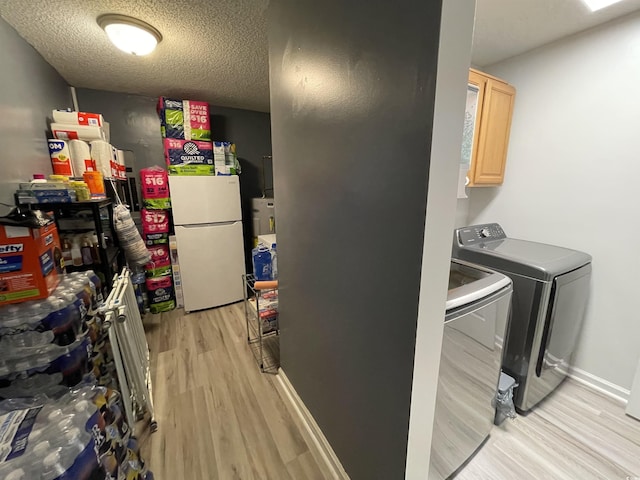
{"x": 454, "y": 54}
{"x": 572, "y": 177}
{"x": 462, "y": 212}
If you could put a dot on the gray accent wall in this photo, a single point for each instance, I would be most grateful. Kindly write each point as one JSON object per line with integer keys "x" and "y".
{"x": 135, "y": 126}
{"x": 352, "y": 99}
{"x": 133, "y": 123}
{"x": 31, "y": 89}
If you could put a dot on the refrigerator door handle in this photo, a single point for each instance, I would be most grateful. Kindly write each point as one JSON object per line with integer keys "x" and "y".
{"x": 200, "y": 225}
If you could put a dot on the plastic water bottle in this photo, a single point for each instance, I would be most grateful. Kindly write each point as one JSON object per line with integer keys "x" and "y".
{"x": 138, "y": 278}
{"x": 65, "y": 318}
{"x": 261, "y": 262}
{"x": 97, "y": 286}
{"x": 23, "y": 316}
{"x": 25, "y": 340}
{"x": 40, "y": 383}
{"x": 274, "y": 262}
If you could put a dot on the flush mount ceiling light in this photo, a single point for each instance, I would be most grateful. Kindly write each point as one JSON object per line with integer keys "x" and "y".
{"x": 130, "y": 34}
{"x": 599, "y": 4}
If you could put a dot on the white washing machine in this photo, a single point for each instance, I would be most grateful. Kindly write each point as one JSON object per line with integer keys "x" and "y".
{"x": 476, "y": 315}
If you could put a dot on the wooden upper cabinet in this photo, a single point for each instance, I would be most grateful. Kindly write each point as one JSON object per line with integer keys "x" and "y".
{"x": 491, "y": 129}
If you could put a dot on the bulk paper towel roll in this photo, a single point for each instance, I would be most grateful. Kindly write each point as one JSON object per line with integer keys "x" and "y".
{"x": 114, "y": 162}
{"x": 76, "y": 132}
{"x": 78, "y": 118}
{"x": 122, "y": 169}
{"x": 80, "y": 157}
{"x": 102, "y": 155}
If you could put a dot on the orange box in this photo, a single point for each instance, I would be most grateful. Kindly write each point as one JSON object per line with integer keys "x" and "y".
{"x": 95, "y": 183}
{"x": 29, "y": 262}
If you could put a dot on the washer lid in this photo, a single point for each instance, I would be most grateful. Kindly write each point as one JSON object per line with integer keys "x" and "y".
{"x": 469, "y": 283}
{"x": 532, "y": 259}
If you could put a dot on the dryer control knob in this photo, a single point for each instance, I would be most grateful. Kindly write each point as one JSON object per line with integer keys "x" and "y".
{"x": 484, "y": 233}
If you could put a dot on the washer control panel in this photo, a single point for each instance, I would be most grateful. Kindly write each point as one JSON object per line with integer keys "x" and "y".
{"x": 477, "y": 234}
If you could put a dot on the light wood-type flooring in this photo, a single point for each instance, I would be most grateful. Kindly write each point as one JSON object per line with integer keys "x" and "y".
{"x": 574, "y": 434}
{"x": 220, "y": 418}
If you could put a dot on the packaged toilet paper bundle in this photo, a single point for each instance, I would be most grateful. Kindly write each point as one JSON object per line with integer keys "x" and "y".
{"x": 155, "y": 188}
{"x": 160, "y": 290}
{"x": 161, "y": 294}
{"x": 155, "y": 226}
{"x": 155, "y": 221}
{"x": 184, "y": 119}
{"x": 187, "y": 157}
{"x": 160, "y": 264}
{"x": 159, "y": 253}
{"x": 151, "y": 239}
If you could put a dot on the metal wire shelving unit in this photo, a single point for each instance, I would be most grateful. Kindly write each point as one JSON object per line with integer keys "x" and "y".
{"x": 262, "y": 333}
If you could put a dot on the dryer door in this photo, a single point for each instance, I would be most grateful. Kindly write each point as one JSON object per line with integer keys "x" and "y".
{"x": 564, "y": 319}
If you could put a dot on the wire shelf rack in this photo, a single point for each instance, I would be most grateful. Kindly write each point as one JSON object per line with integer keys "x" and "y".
{"x": 263, "y": 330}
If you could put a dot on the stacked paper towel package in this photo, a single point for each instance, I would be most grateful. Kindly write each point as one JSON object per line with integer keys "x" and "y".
{"x": 81, "y": 149}
{"x": 155, "y": 231}
{"x": 188, "y": 149}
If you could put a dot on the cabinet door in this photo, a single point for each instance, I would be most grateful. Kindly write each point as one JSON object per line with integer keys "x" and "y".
{"x": 473, "y": 112}
{"x": 495, "y": 123}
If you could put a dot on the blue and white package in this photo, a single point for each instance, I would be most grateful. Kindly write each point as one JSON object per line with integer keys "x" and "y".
{"x": 188, "y": 157}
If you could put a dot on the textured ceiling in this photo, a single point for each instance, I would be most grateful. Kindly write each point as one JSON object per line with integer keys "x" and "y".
{"x": 217, "y": 50}
{"x": 213, "y": 50}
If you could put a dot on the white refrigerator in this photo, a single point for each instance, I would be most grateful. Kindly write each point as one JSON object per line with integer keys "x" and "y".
{"x": 208, "y": 223}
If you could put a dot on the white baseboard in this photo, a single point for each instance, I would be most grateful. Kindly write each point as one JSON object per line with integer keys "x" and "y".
{"x": 600, "y": 384}
{"x": 312, "y": 430}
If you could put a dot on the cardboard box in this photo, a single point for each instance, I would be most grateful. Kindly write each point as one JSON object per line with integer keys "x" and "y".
{"x": 29, "y": 262}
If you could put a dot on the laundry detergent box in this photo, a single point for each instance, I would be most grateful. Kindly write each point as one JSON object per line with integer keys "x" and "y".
{"x": 184, "y": 119}
{"x": 187, "y": 157}
{"x": 30, "y": 258}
